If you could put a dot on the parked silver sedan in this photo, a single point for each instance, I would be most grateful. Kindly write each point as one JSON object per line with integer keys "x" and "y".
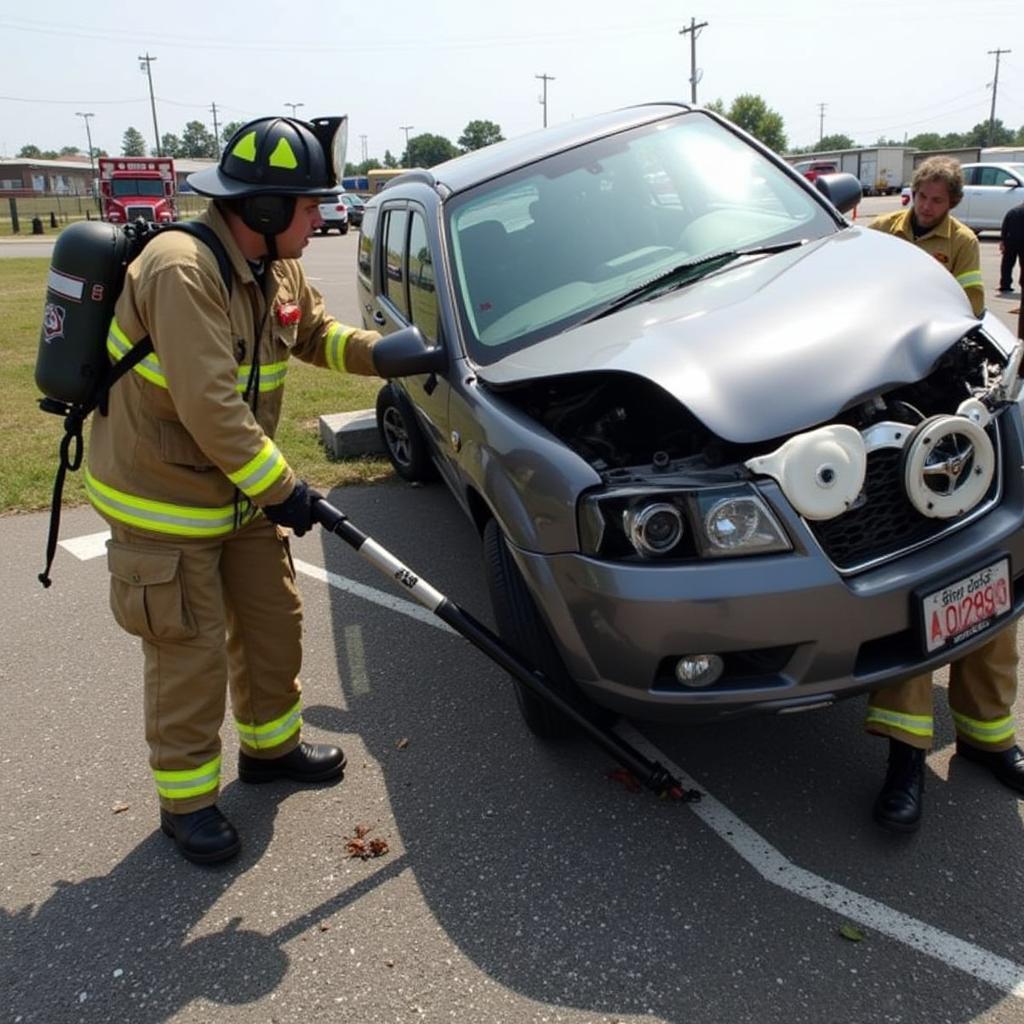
{"x": 727, "y": 452}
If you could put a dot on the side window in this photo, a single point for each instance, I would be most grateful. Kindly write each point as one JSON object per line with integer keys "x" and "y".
{"x": 393, "y": 284}
{"x": 988, "y": 176}
{"x": 972, "y": 176}
{"x": 422, "y": 286}
{"x": 366, "y": 233}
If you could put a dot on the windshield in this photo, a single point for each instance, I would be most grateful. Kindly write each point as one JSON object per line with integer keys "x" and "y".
{"x": 137, "y": 187}
{"x": 543, "y": 247}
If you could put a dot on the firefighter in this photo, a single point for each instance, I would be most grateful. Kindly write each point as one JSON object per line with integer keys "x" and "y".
{"x": 982, "y": 684}
{"x": 198, "y": 496}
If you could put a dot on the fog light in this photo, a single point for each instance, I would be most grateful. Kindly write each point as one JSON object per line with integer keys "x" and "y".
{"x": 654, "y": 529}
{"x": 699, "y": 670}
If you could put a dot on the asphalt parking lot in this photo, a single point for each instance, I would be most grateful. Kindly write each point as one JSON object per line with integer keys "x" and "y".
{"x": 522, "y": 883}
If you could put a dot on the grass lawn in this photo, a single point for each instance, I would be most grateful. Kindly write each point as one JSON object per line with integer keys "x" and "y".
{"x": 30, "y": 439}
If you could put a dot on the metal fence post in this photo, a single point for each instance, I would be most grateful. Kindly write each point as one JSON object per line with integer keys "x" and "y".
{"x": 15, "y": 227}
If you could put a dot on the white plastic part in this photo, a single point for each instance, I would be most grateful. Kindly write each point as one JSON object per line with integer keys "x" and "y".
{"x": 820, "y": 472}
{"x": 976, "y": 411}
{"x": 948, "y": 466}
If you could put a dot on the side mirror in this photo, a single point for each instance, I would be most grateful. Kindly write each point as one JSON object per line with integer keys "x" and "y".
{"x": 1011, "y": 183}
{"x": 843, "y": 191}
{"x": 407, "y": 354}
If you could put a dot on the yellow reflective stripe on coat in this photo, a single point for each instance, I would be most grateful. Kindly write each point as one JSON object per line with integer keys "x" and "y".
{"x": 272, "y": 376}
{"x": 334, "y": 346}
{"x": 190, "y": 782}
{"x": 118, "y": 346}
{"x": 970, "y": 279}
{"x": 261, "y": 472}
{"x": 271, "y": 734}
{"x": 161, "y": 516}
{"x": 999, "y": 730}
{"x": 915, "y": 725}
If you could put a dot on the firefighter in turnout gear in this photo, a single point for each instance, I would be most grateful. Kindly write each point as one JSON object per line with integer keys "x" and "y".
{"x": 185, "y": 470}
{"x": 982, "y": 684}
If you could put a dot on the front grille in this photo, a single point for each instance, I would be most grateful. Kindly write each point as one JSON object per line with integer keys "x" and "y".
{"x": 884, "y": 524}
{"x": 135, "y": 212}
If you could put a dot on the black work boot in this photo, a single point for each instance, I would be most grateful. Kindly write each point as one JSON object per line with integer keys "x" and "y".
{"x": 308, "y": 762}
{"x": 1006, "y": 765}
{"x": 898, "y": 805}
{"x": 203, "y": 837}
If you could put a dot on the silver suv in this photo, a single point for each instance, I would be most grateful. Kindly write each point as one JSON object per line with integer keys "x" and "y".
{"x": 726, "y": 451}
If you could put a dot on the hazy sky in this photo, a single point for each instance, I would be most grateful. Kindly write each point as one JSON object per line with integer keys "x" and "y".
{"x": 889, "y": 67}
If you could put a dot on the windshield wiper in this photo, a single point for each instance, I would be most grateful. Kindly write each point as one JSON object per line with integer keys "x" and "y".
{"x": 685, "y": 273}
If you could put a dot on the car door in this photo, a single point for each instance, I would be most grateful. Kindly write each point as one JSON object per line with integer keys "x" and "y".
{"x": 987, "y": 197}
{"x": 405, "y": 294}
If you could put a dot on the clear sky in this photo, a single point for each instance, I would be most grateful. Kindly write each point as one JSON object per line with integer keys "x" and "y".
{"x": 881, "y": 67}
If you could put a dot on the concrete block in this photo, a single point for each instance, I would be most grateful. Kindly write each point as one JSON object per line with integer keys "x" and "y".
{"x": 348, "y": 435}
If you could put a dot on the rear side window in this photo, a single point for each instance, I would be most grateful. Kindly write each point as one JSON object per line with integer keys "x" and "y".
{"x": 393, "y": 285}
{"x": 366, "y": 233}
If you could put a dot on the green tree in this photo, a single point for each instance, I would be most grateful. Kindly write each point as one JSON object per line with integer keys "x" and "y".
{"x": 170, "y": 144}
{"x": 30, "y": 152}
{"x": 389, "y": 161}
{"x": 426, "y": 150}
{"x": 979, "y": 134}
{"x": 718, "y": 107}
{"x": 228, "y": 131}
{"x": 132, "y": 143}
{"x": 478, "y": 134}
{"x": 753, "y": 115}
{"x": 926, "y": 140}
{"x": 69, "y": 151}
{"x": 836, "y": 142}
{"x": 197, "y": 141}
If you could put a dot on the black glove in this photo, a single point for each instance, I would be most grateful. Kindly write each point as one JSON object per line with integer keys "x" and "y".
{"x": 296, "y": 510}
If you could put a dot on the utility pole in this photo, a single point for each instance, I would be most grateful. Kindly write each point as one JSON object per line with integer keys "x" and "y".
{"x": 544, "y": 99}
{"x": 294, "y": 107}
{"x": 821, "y": 122}
{"x": 144, "y": 65}
{"x": 92, "y": 161}
{"x": 995, "y": 86}
{"x": 216, "y": 131}
{"x": 362, "y": 144}
{"x": 407, "y": 128}
{"x": 693, "y": 31}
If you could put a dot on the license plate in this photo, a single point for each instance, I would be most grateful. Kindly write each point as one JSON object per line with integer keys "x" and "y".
{"x": 959, "y": 610}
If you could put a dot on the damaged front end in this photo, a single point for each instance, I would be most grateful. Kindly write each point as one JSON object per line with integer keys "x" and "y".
{"x": 892, "y": 472}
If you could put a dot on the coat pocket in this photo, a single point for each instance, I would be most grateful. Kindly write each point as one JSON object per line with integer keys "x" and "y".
{"x": 178, "y": 449}
{"x": 147, "y": 595}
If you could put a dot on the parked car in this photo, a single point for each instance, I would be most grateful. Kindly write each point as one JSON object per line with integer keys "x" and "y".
{"x": 334, "y": 214}
{"x": 722, "y": 458}
{"x": 354, "y": 205}
{"x": 810, "y": 169}
{"x": 906, "y": 195}
{"x": 990, "y": 190}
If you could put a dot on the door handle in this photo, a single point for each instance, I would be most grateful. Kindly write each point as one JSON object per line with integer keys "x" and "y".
{"x": 379, "y": 319}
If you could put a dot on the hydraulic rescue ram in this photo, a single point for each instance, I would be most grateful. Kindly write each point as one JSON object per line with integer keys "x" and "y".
{"x": 650, "y": 773}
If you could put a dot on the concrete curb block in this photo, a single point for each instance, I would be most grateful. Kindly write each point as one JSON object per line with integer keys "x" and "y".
{"x": 348, "y": 435}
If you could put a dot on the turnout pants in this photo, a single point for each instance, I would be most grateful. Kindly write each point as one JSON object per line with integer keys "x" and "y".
{"x": 982, "y": 690}
{"x": 213, "y": 614}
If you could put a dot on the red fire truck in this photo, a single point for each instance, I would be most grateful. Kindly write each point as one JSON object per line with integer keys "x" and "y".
{"x": 137, "y": 186}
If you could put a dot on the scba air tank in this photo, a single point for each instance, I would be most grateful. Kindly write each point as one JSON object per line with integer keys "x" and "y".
{"x": 85, "y": 277}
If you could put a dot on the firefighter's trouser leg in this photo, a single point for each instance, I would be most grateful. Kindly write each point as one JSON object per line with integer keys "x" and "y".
{"x": 208, "y": 610}
{"x": 982, "y": 690}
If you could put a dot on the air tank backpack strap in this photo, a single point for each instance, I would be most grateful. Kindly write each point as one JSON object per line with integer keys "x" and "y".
{"x": 71, "y": 445}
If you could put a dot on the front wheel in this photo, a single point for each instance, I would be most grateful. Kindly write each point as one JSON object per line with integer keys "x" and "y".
{"x": 402, "y": 438}
{"x": 522, "y": 628}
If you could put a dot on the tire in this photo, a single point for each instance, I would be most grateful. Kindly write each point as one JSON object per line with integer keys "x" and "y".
{"x": 402, "y": 438}
{"x": 521, "y": 627}
{"x": 343, "y": 230}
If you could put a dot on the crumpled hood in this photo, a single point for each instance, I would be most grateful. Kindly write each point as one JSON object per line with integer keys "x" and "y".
{"x": 778, "y": 343}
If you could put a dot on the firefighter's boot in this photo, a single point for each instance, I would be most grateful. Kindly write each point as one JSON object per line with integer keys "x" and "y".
{"x": 1006, "y": 765}
{"x": 308, "y": 762}
{"x": 898, "y": 805}
{"x": 204, "y": 836}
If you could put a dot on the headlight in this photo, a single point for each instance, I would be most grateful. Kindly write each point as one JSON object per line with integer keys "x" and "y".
{"x": 709, "y": 522}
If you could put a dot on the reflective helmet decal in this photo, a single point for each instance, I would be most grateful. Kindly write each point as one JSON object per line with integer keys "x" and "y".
{"x": 245, "y": 148}
{"x": 283, "y": 156}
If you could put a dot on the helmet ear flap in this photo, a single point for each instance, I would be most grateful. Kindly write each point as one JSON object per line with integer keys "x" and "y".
{"x": 268, "y": 215}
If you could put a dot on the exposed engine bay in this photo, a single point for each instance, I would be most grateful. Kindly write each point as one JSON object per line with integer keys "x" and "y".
{"x": 628, "y": 428}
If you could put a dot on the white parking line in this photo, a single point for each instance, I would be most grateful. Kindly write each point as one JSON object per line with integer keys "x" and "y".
{"x": 764, "y": 858}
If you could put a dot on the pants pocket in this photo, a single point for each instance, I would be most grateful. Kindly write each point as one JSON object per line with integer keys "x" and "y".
{"x": 147, "y": 594}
